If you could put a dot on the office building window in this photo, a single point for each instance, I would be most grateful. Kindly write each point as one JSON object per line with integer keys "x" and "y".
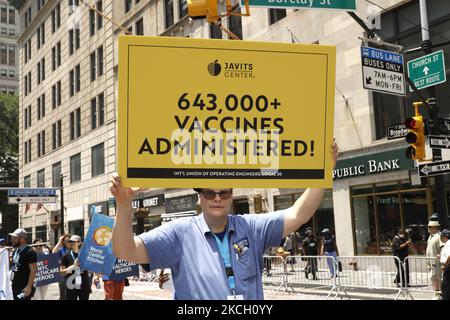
{"x": 12, "y": 55}
{"x": 41, "y": 107}
{"x": 56, "y": 175}
{"x": 140, "y": 27}
{"x": 41, "y": 178}
{"x": 99, "y": 17}
{"x": 168, "y": 11}
{"x": 276, "y": 15}
{"x": 128, "y": 4}
{"x": 98, "y": 160}
{"x": 98, "y": 111}
{"x": 27, "y": 182}
{"x": 56, "y": 137}
{"x": 93, "y": 65}
{"x": 92, "y": 15}
{"x": 75, "y": 168}
{"x": 183, "y": 8}
{"x": 75, "y": 124}
{"x": 100, "y": 60}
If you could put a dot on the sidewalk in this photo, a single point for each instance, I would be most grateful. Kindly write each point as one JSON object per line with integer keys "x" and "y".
{"x": 151, "y": 291}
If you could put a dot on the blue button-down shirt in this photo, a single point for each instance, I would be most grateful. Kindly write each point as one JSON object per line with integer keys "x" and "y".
{"x": 188, "y": 247}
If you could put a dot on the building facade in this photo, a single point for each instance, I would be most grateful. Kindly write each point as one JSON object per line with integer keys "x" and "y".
{"x": 9, "y": 54}
{"x": 376, "y": 190}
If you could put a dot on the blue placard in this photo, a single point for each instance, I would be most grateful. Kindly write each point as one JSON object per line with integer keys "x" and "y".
{"x": 96, "y": 254}
{"x": 124, "y": 269}
{"x": 48, "y": 269}
{"x": 382, "y": 55}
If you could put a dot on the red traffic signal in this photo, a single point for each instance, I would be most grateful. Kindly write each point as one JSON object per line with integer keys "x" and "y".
{"x": 415, "y": 137}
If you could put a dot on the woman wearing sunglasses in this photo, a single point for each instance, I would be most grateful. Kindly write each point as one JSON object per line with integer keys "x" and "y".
{"x": 38, "y": 247}
{"x": 214, "y": 255}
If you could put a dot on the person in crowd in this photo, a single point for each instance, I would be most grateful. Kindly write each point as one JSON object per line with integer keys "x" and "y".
{"x": 38, "y": 247}
{"x": 78, "y": 282}
{"x": 329, "y": 249}
{"x": 2, "y": 243}
{"x": 61, "y": 248}
{"x": 310, "y": 248}
{"x": 289, "y": 247}
{"x": 434, "y": 245}
{"x": 400, "y": 249}
{"x": 113, "y": 288}
{"x": 445, "y": 261}
{"x": 24, "y": 266}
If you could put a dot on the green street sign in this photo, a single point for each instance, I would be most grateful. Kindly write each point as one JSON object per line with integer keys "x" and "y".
{"x": 427, "y": 71}
{"x": 347, "y": 5}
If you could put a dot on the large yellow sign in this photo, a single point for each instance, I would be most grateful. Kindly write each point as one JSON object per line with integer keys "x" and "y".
{"x": 220, "y": 113}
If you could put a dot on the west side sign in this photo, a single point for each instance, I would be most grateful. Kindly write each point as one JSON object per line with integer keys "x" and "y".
{"x": 213, "y": 113}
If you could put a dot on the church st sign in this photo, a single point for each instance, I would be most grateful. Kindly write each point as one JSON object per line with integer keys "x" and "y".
{"x": 393, "y": 160}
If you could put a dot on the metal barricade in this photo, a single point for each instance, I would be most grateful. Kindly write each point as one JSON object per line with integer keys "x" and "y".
{"x": 273, "y": 272}
{"x": 421, "y": 271}
{"x": 312, "y": 273}
{"x": 383, "y": 273}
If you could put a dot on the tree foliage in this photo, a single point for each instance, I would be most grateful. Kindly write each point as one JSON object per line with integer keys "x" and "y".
{"x": 9, "y": 138}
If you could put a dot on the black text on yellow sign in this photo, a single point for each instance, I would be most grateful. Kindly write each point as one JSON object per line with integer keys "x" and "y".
{"x": 210, "y": 113}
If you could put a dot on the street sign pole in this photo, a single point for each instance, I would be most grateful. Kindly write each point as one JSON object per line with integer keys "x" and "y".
{"x": 62, "y": 203}
{"x": 439, "y": 185}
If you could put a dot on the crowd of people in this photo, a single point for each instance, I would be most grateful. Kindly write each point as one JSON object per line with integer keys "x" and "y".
{"x": 310, "y": 247}
{"x": 438, "y": 264}
{"x": 76, "y": 283}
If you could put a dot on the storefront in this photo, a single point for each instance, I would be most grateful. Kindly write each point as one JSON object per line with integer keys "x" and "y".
{"x": 179, "y": 207}
{"x": 382, "y": 198}
{"x": 155, "y": 205}
{"x": 98, "y": 207}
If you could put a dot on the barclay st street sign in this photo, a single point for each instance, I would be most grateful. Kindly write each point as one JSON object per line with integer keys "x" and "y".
{"x": 347, "y": 5}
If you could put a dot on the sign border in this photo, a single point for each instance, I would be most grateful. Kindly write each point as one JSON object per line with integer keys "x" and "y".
{"x": 124, "y": 91}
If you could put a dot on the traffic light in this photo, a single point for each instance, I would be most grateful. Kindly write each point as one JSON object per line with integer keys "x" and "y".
{"x": 200, "y": 9}
{"x": 415, "y": 137}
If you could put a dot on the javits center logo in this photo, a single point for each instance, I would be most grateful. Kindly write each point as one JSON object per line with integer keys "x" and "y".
{"x": 235, "y": 70}
{"x": 214, "y": 68}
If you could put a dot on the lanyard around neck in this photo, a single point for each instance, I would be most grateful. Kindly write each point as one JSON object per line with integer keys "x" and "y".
{"x": 17, "y": 254}
{"x": 225, "y": 253}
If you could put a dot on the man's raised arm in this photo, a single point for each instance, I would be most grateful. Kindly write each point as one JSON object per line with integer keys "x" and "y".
{"x": 125, "y": 245}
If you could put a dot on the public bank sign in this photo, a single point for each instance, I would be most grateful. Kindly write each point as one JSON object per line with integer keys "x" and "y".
{"x": 392, "y": 160}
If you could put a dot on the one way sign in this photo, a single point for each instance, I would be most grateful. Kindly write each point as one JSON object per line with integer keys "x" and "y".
{"x": 434, "y": 168}
{"x": 439, "y": 142}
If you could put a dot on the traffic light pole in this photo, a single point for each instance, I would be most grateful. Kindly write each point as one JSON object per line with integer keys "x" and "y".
{"x": 431, "y": 105}
{"x": 433, "y": 111}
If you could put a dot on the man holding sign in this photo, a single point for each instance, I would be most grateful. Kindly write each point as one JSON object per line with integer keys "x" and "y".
{"x": 214, "y": 245}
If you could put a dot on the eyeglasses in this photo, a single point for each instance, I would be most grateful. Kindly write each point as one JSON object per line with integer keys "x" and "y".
{"x": 40, "y": 246}
{"x": 211, "y": 195}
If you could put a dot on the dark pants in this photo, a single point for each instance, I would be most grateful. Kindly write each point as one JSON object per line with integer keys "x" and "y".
{"x": 62, "y": 290}
{"x": 405, "y": 272}
{"x": 445, "y": 286}
{"x": 268, "y": 265}
{"x": 77, "y": 294}
{"x": 311, "y": 267}
{"x": 17, "y": 291}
